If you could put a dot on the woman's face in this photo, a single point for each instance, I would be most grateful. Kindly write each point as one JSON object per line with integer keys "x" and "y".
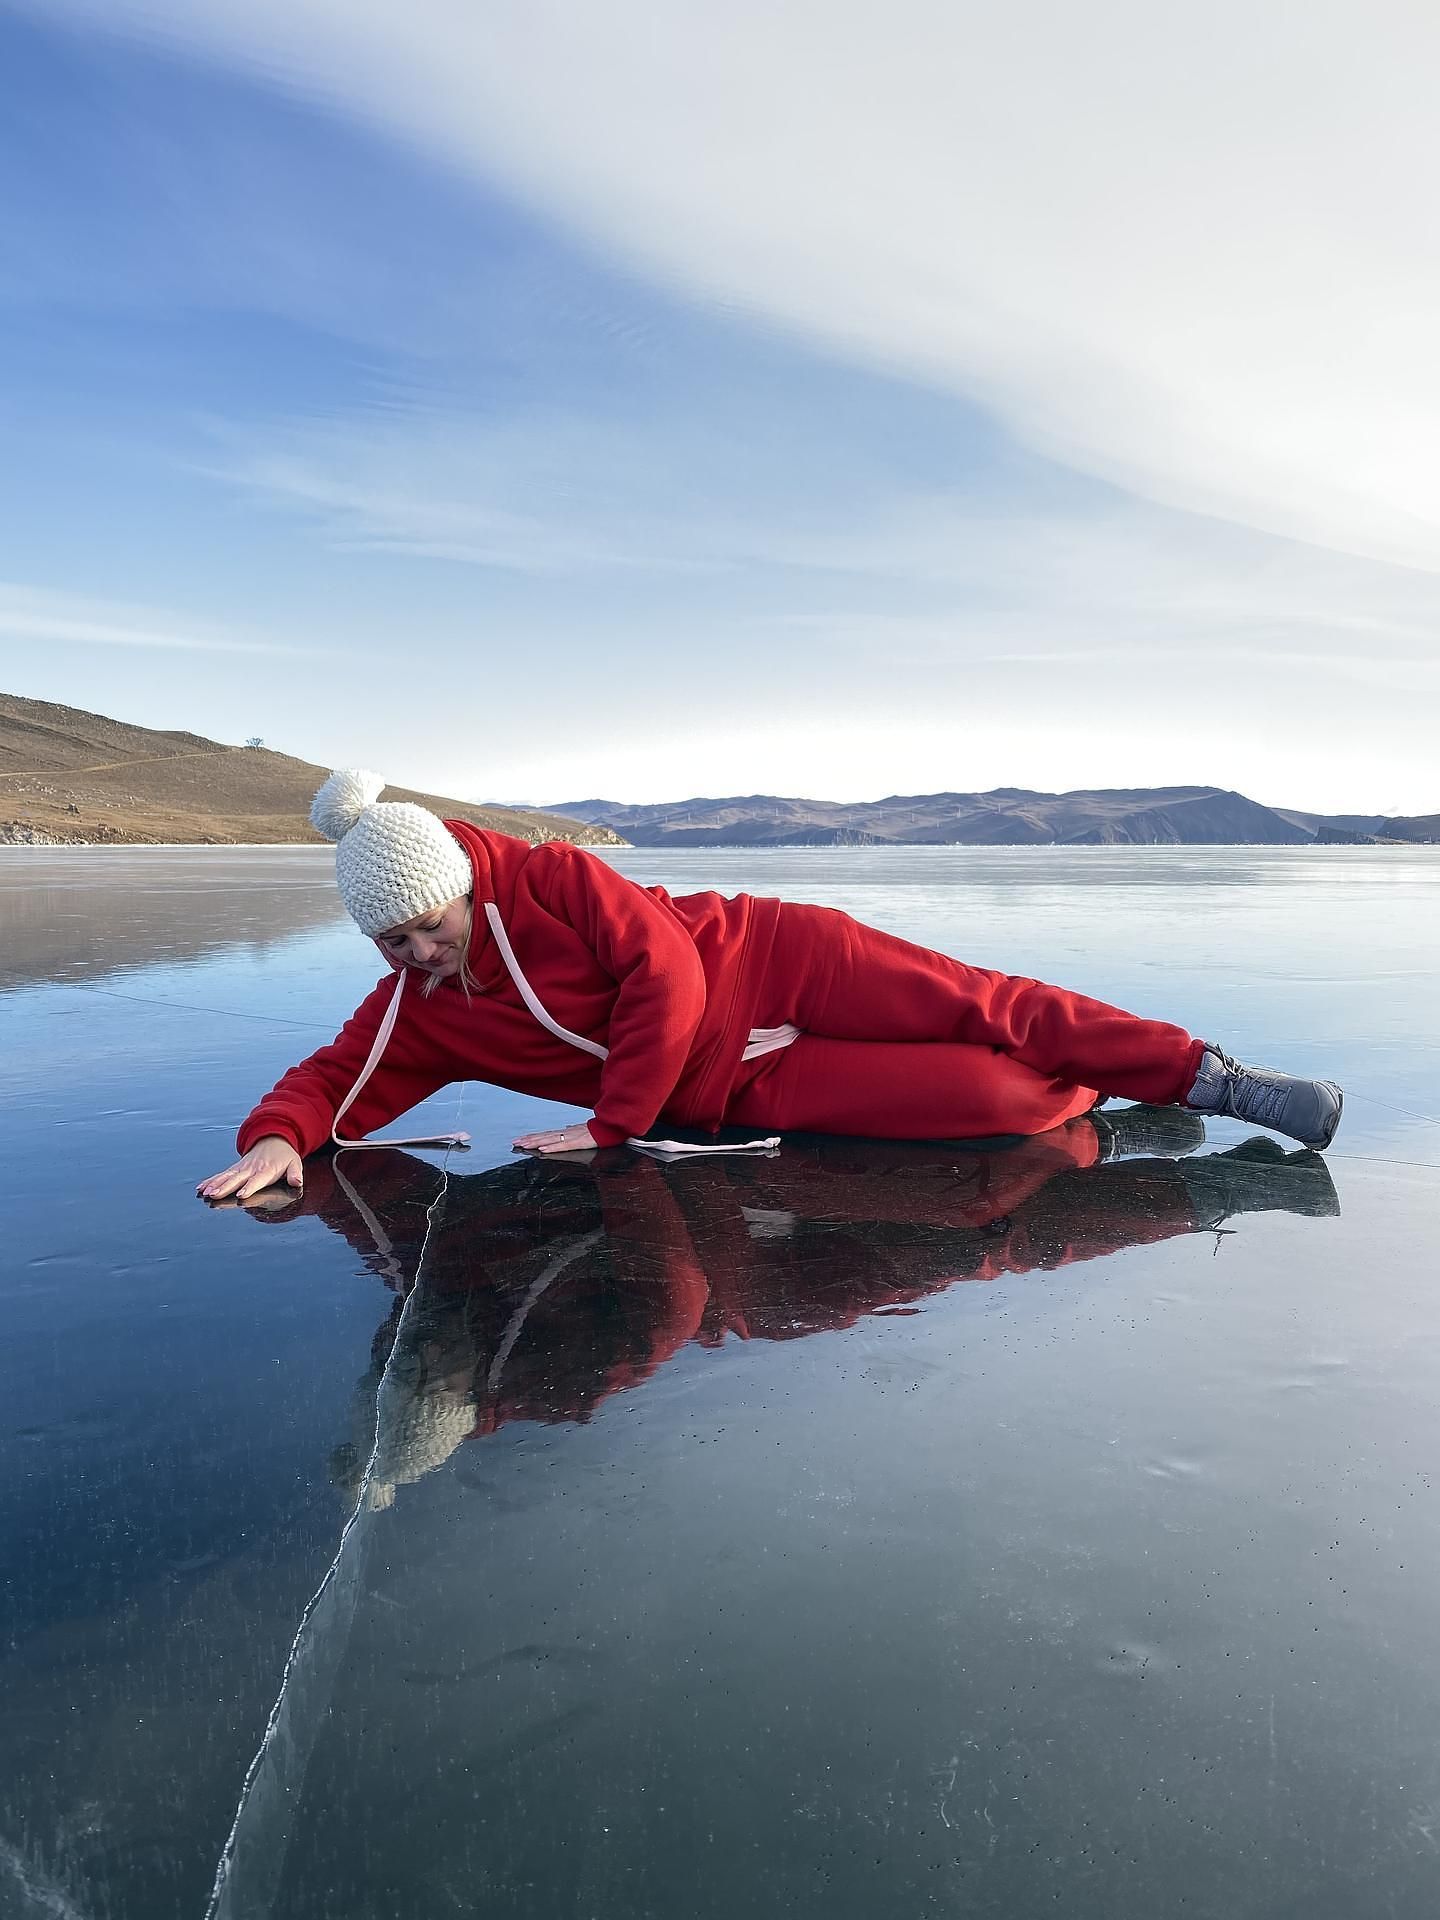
{"x": 432, "y": 942}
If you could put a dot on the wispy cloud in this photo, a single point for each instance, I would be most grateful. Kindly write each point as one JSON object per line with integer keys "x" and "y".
{"x": 936, "y": 572}
{"x": 40, "y": 614}
{"x": 1023, "y": 216}
{"x": 1182, "y": 247}
{"x": 443, "y": 501}
{"x": 978, "y": 639}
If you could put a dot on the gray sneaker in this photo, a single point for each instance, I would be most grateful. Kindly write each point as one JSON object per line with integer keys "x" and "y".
{"x": 1308, "y": 1110}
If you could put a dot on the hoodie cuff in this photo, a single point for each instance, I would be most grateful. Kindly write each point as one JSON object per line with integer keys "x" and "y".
{"x": 254, "y": 1130}
{"x": 605, "y": 1135}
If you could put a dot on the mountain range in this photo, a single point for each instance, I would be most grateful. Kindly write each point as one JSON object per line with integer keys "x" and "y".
{"x": 71, "y": 776}
{"x": 1006, "y": 816}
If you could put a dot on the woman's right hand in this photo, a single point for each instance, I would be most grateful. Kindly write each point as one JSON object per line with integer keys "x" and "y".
{"x": 268, "y": 1161}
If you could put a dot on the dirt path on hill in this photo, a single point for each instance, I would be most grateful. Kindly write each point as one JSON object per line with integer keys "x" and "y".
{"x": 112, "y": 766}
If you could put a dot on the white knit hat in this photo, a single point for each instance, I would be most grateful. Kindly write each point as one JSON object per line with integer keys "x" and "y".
{"x": 394, "y": 861}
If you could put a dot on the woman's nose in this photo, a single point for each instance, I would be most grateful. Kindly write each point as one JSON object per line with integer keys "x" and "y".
{"x": 421, "y": 948}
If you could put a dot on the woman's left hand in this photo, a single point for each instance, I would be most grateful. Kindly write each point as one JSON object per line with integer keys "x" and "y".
{"x": 565, "y": 1140}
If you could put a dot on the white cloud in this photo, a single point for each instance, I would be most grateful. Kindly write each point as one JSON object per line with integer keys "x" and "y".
{"x": 928, "y": 646}
{"x": 925, "y": 572}
{"x": 41, "y": 614}
{"x": 448, "y": 496}
{"x": 1184, "y": 249}
{"x": 1088, "y": 642}
{"x": 1188, "y": 247}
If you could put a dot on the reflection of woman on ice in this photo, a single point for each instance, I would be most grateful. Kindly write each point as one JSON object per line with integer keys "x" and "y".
{"x": 543, "y": 970}
{"x": 552, "y": 1286}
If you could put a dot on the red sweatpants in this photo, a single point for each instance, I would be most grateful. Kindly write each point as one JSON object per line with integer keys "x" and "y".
{"x": 900, "y": 1042}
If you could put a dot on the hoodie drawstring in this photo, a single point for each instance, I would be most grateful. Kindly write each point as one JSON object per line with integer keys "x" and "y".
{"x": 387, "y": 1027}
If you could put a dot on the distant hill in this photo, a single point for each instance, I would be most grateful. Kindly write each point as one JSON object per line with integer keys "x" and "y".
{"x": 1008, "y": 816}
{"x": 1363, "y": 824}
{"x": 1416, "y": 827}
{"x": 68, "y": 777}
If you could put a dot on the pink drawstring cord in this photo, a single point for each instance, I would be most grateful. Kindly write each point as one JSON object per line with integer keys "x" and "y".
{"x": 387, "y": 1027}
{"x": 763, "y": 1040}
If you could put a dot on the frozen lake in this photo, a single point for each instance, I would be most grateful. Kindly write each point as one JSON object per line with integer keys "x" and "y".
{"x": 863, "y": 1530}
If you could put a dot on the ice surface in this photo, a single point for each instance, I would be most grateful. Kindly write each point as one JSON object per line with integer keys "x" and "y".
{"x": 872, "y": 1528}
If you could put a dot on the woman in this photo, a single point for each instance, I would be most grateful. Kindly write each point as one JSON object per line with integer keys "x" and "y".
{"x": 543, "y": 970}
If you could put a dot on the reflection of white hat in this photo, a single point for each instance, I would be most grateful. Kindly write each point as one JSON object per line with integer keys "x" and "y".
{"x": 393, "y": 861}
{"x": 418, "y": 1429}
{"x": 422, "y": 1438}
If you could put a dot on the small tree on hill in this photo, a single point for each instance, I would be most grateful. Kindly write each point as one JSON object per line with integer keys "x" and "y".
{"x": 254, "y": 741}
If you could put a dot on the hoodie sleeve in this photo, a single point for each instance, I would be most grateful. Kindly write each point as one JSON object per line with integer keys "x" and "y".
{"x": 300, "y": 1107}
{"x": 661, "y": 981}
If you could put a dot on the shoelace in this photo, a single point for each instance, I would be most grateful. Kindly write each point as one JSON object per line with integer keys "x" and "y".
{"x": 1267, "y": 1097}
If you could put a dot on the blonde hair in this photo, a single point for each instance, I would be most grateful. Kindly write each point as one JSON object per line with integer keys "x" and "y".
{"x": 466, "y": 980}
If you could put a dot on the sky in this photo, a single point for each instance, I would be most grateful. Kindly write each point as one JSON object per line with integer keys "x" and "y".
{"x": 646, "y": 398}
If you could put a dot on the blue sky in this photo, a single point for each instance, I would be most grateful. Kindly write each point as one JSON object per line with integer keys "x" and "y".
{"x": 501, "y": 415}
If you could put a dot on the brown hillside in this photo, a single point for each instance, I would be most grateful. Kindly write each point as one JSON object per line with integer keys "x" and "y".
{"x": 68, "y": 777}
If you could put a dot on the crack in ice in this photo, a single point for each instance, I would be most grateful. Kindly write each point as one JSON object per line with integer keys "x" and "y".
{"x": 249, "y": 1865}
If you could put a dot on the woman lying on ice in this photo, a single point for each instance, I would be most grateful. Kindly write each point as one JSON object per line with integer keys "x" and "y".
{"x": 543, "y": 970}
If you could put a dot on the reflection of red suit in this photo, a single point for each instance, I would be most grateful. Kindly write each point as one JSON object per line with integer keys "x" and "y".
{"x": 548, "y": 1288}
{"x": 866, "y": 1242}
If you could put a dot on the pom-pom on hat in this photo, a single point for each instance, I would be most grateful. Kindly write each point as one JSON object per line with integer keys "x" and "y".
{"x": 393, "y": 860}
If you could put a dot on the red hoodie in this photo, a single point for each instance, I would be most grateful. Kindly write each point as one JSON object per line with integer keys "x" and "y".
{"x": 671, "y": 987}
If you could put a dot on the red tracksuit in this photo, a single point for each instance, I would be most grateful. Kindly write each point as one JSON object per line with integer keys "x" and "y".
{"x": 895, "y": 1040}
